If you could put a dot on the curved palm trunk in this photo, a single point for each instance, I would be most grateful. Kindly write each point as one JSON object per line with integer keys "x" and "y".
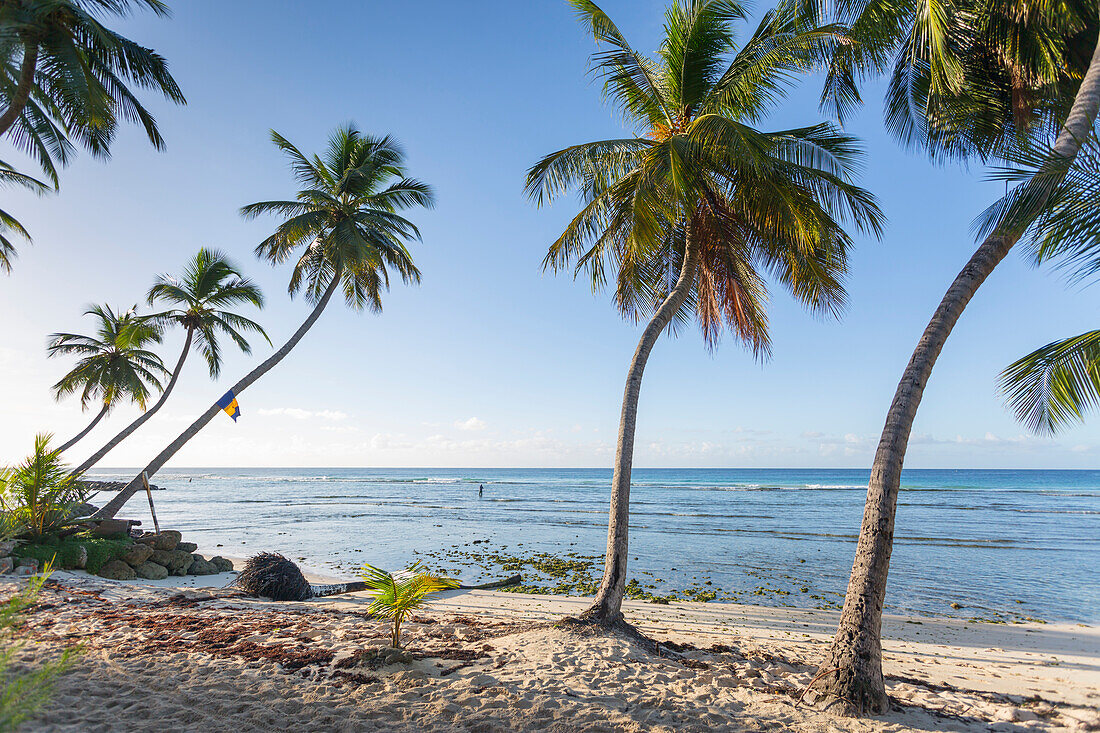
{"x": 851, "y": 675}
{"x": 141, "y": 420}
{"x": 606, "y": 608}
{"x": 22, "y": 89}
{"x": 85, "y": 431}
{"x": 155, "y": 465}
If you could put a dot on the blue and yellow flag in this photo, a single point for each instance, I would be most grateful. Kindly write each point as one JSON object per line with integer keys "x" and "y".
{"x": 228, "y": 402}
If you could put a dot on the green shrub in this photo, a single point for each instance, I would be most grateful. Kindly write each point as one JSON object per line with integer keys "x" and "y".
{"x": 38, "y": 497}
{"x": 102, "y": 550}
{"x": 22, "y": 694}
{"x": 66, "y": 552}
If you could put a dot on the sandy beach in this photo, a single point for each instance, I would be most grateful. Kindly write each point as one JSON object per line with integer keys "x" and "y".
{"x": 162, "y": 657}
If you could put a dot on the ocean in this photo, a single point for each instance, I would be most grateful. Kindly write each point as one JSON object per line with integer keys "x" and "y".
{"x": 996, "y": 545}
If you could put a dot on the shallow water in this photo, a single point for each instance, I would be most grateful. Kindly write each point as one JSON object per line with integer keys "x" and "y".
{"x": 985, "y": 540}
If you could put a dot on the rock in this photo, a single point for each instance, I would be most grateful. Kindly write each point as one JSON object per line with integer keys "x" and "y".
{"x": 21, "y": 562}
{"x": 169, "y": 539}
{"x": 137, "y": 555}
{"x": 178, "y": 572}
{"x": 152, "y": 571}
{"x": 25, "y": 570}
{"x": 200, "y": 566}
{"x": 91, "y": 486}
{"x": 117, "y": 570}
{"x": 174, "y": 560}
{"x": 187, "y": 546}
{"x": 82, "y": 510}
{"x": 6, "y": 565}
{"x": 6, "y": 547}
{"x": 82, "y": 558}
{"x": 223, "y": 565}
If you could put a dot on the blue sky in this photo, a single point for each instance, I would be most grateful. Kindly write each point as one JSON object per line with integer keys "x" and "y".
{"x": 491, "y": 362}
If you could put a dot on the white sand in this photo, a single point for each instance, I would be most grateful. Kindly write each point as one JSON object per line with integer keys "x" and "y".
{"x": 209, "y": 662}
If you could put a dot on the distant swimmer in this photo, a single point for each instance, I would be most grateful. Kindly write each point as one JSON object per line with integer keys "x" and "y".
{"x": 481, "y": 489}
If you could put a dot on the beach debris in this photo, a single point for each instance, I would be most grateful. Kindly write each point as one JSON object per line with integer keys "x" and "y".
{"x": 271, "y": 575}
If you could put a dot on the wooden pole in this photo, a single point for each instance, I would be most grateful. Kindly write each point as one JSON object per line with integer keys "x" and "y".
{"x": 149, "y": 493}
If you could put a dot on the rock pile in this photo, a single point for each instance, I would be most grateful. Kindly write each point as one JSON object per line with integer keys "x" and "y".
{"x": 156, "y": 556}
{"x": 18, "y": 565}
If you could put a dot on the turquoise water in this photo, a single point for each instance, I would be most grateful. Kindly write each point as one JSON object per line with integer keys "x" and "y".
{"x": 1012, "y": 542}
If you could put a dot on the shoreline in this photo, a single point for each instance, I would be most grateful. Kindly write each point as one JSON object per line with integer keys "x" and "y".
{"x": 494, "y": 661}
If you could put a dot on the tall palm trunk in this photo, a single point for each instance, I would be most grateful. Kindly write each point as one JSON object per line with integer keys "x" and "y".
{"x": 141, "y": 420}
{"x": 606, "y": 608}
{"x": 851, "y": 675}
{"x": 22, "y": 89}
{"x": 85, "y": 431}
{"x": 163, "y": 457}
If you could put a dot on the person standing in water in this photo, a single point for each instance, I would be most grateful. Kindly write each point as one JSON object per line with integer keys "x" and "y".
{"x": 480, "y": 490}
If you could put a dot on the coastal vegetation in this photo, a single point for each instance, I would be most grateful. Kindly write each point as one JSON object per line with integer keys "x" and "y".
{"x": 40, "y": 495}
{"x": 113, "y": 366}
{"x": 688, "y": 219}
{"x": 345, "y": 228}
{"x": 396, "y": 594}
{"x": 66, "y": 80}
{"x": 697, "y": 190}
{"x": 209, "y": 285}
{"x": 989, "y": 79}
{"x": 23, "y": 693}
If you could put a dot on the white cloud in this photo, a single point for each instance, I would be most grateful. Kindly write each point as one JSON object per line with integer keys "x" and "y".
{"x": 472, "y": 424}
{"x": 299, "y": 414}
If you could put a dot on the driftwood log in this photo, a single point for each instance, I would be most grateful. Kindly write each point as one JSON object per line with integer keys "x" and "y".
{"x": 273, "y": 576}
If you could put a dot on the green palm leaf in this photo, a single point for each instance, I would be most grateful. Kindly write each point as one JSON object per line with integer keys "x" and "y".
{"x": 1053, "y": 386}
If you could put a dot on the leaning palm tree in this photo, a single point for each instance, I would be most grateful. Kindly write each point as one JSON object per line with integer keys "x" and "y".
{"x": 346, "y": 233}
{"x": 113, "y": 365}
{"x": 8, "y": 223}
{"x": 210, "y": 283}
{"x": 984, "y": 78}
{"x": 65, "y": 75}
{"x": 697, "y": 190}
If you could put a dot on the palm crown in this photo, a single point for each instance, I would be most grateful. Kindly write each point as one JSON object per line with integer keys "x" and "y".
{"x": 969, "y": 78}
{"x": 345, "y": 219}
{"x": 750, "y": 202}
{"x": 8, "y": 223}
{"x": 114, "y": 364}
{"x": 210, "y": 284}
{"x": 65, "y": 76}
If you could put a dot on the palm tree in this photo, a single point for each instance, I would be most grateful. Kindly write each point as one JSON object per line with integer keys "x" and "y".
{"x": 210, "y": 284}
{"x": 1053, "y": 386}
{"x": 698, "y": 190}
{"x": 8, "y": 223}
{"x": 395, "y": 594}
{"x": 984, "y": 80}
{"x": 65, "y": 76}
{"x": 346, "y": 233}
{"x": 114, "y": 364}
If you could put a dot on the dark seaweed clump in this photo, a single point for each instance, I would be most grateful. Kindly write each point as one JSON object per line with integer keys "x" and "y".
{"x": 271, "y": 575}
